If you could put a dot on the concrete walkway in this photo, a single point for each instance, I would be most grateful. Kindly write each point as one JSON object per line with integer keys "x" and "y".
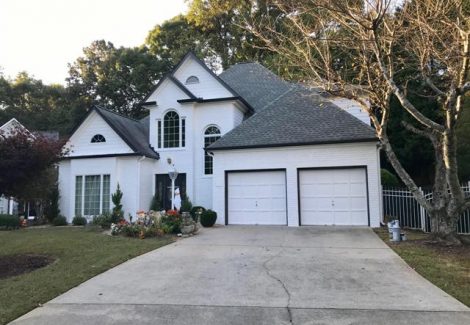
{"x": 259, "y": 275}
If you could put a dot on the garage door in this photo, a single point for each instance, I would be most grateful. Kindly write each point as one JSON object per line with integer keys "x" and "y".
{"x": 333, "y": 197}
{"x": 257, "y": 198}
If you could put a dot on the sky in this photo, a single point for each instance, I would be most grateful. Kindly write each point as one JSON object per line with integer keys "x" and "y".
{"x": 42, "y": 36}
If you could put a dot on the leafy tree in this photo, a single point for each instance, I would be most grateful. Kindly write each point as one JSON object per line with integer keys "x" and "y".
{"x": 27, "y": 164}
{"x": 40, "y": 107}
{"x": 117, "y": 78}
{"x": 175, "y": 37}
{"x": 220, "y": 23}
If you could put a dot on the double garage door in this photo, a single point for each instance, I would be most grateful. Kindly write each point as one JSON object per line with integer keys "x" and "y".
{"x": 326, "y": 197}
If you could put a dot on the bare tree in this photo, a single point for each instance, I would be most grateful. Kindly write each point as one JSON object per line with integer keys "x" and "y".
{"x": 370, "y": 51}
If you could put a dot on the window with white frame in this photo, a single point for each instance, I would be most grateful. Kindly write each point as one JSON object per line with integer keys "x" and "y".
{"x": 211, "y": 135}
{"x": 92, "y": 194}
{"x": 192, "y": 80}
{"x": 171, "y": 132}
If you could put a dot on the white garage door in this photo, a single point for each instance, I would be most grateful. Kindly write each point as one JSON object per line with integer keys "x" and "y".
{"x": 333, "y": 197}
{"x": 257, "y": 198}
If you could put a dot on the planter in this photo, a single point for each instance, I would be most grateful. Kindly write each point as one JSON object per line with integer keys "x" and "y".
{"x": 188, "y": 226}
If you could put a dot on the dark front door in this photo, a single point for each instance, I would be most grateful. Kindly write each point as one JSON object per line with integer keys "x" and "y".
{"x": 163, "y": 188}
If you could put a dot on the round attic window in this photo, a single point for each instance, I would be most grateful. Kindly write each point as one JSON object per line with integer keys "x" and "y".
{"x": 192, "y": 80}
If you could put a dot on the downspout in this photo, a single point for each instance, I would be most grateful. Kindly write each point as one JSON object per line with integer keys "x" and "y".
{"x": 139, "y": 161}
{"x": 379, "y": 174}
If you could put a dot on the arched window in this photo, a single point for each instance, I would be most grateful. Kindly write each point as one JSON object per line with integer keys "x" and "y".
{"x": 192, "y": 80}
{"x": 171, "y": 130}
{"x": 97, "y": 138}
{"x": 211, "y": 135}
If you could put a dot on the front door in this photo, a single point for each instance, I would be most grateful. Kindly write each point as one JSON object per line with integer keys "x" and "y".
{"x": 163, "y": 188}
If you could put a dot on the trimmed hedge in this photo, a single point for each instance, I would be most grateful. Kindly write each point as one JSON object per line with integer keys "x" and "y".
{"x": 79, "y": 221}
{"x": 9, "y": 221}
{"x": 59, "y": 221}
{"x": 105, "y": 220}
{"x": 208, "y": 218}
{"x": 195, "y": 209}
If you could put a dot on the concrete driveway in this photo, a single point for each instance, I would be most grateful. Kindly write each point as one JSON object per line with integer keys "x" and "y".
{"x": 259, "y": 275}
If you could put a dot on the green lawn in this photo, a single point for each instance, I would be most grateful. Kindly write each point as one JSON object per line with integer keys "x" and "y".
{"x": 80, "y": 253}
{"x": 446, "y": 267}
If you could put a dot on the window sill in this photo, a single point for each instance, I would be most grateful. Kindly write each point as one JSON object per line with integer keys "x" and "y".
{"x": 171, "y": 149}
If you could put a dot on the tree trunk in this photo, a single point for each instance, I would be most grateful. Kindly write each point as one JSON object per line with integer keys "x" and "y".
{"x": 444, "y": 227}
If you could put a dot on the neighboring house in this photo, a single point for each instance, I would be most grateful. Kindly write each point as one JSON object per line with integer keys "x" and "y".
{"x": 252, "y": 147}
{"x": 9, "y": 205}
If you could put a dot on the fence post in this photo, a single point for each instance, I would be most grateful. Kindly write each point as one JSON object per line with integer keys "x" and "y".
{"x": 381, "y": 203}
{"x": 422, "y": 213}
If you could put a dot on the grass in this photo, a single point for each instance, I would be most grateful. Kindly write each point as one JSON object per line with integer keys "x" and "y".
{"x": 80, "y": 253}
{"x": 448, "y": 267}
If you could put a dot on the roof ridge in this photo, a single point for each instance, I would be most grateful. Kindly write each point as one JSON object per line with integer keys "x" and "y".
{"x": 290, "y": 89}
{"x": 116, "y": 113}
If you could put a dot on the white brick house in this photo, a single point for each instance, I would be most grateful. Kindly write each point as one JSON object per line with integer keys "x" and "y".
{"x": 252, "y": 147}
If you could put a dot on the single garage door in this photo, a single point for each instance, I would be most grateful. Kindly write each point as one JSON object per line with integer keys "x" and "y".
{"x": 333, "y": 197}
{"x": 257, "y": 198}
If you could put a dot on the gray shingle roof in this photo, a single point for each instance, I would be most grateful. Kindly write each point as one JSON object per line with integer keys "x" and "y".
{"x": 256, "y": 84}
{"x": 286, "y": 114}
{"x": 135, "y": 133}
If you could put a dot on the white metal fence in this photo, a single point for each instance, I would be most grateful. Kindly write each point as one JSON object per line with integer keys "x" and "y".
{"x": 399, "y": 203}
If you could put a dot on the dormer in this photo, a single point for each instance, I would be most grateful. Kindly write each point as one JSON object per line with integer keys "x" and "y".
{"x": 191, "y": 81}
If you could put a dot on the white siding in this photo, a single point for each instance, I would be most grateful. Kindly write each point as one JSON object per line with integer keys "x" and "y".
{"x": 132, "y": 174}
{"x": 208, "y": 86}
{"x": 352, "y": 107}
{"x": 292, "y": 158}
{"x": 80, "y": 141}
{"x": 146, "y": 183}
{"x": 190, "y": 159}
{"x": 66, "y": 190}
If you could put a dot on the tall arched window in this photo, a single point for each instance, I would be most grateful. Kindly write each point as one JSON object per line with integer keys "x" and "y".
{"x": 211, "y": 135}
{"x": 171, "y": 130}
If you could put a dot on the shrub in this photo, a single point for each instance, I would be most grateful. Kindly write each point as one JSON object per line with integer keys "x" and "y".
{"x": 171, "y": 222}
{"x": 388, "y": 179}
{"x": 208, "y": 218}
{"x": 79, "y": 221}
{"x": 195, "y": 210}
{"x": 52, "y": 205}
{"x": 9, "y": 221}
{"x": 131, "y": 230}
{"x": 104, "y": 220}
{"x": 155, "y": 204}
{"x": 116, "y": 197}
{"x": 186, "y": 204}
{"x": 59, "y": 221}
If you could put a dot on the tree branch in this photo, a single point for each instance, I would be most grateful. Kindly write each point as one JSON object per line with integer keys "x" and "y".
{"x": 464, "y": 88}
{"x": 407, "y": 105}
{"x": 433, "y": 86}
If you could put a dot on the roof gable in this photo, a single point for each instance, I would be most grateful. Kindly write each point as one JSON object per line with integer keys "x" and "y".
{"x": 11, "y": 125}
{"x": 225, "y": 90}
{"x": 209, "y": 85}
{"x": 131, "y": 136}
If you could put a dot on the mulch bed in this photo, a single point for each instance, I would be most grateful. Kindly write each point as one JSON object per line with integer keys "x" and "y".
{"x": 11, "y": 265}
